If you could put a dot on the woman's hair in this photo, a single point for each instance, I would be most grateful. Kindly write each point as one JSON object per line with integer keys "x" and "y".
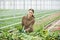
{"x": 31, "y": 10}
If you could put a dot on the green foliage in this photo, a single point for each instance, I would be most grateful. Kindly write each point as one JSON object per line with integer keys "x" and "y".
{"x": 17, "y": 34}
{"x": 37, "y": 35}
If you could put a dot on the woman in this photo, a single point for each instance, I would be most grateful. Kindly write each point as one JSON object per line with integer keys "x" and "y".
{"x": 28, "y": 21}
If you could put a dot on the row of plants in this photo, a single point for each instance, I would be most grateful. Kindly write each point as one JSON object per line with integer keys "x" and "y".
{"x": 18, "y": 34}
{"x": 15, "y": 20}
{"x": 40, "y": 34}
{"x": 46, "y": 21}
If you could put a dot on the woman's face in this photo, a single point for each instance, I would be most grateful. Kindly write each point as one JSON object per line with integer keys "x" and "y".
{"x": 30, "y": 13}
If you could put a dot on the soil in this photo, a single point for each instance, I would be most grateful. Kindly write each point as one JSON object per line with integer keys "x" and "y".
{"x": 54, "y": 26}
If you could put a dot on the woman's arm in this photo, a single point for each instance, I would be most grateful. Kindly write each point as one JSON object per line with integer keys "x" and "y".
{"x": 25, "y": 23}
{"x": 31, "y": 22}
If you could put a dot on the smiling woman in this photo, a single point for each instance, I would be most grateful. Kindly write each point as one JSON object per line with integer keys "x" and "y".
{"x": 28, "y": 21}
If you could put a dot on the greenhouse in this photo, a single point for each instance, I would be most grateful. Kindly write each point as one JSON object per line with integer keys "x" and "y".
{"x": 45, "y": 16}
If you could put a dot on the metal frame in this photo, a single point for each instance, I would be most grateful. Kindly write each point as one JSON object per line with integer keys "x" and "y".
{"x": 24, "y": 1}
